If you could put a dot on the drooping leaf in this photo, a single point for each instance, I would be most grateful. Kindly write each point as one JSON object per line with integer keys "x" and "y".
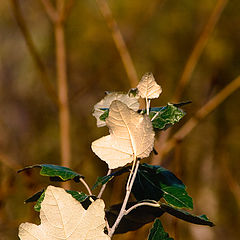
{"x": 186, "y": 216}
{"x": 135, "y": 219}
{"x": 165, "y": 116}
{"x": 157, "y": 232}
{"x": 156, "y": 182}
{"x": 63, "y": 217}
{"x": 128, "y": 99}
{"x": 130, "y": 134}
{"x": 148, "y": 88}
{"x": 55, "y": 172}
{"x": 107, "y": 178}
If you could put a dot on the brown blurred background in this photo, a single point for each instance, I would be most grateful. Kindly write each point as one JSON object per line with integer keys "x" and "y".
{"x": 160, "y": 36}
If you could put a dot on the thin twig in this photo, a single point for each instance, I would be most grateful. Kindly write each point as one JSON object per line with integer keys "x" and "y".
{"x": 104, "y": 185}
{"x": 33, "y": 51}
{"x": 123, "y": 208}
{"x": 119, "y": 41}
{"x": 141, "y": 204}
{"x": 201, "y": 114}
{"x": 199, "y": 47}
{"x": 86, "y": 186}
{"x": 50, "y": 10}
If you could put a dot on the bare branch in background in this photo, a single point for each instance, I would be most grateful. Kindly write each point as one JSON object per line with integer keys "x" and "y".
{"x": 64, "y": 115}
{"x": 194, "y": 121}
{"x": 198, "y": 48}
{"x": 119, "y": 41}
{"x": 33, "y": 51}
{"x": 50, "y": 10}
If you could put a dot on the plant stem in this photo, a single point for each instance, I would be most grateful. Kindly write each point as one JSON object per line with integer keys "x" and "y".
{"x": 132, "y": 176}
{"x": 141, "y": 204}
{"x": 103, "y": 186}
{"x": 86, "y": 186}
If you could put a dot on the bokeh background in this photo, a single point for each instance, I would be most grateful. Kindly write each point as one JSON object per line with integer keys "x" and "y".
{"x": 160, "y": 36}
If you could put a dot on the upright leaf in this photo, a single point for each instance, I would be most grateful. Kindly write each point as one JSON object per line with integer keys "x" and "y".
{"x": 148, "y": 88}
{"x": 63, "y": 217}
{"x": 131, "y": 134}
{"x": 157, "y": 232}
{"x": 129, "y": 100}
{"x": 55, "y": 172}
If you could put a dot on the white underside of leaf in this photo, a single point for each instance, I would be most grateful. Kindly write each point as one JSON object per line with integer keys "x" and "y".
{"x": 131, "y": 102}
{"x": 131, "y": 134}
{"x": 63, "y": 217}
{"x": 148, "y": 87}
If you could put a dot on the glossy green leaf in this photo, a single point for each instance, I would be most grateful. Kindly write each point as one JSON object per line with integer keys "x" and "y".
{"x": 157, "y": 232}
{"x": 156, "y": 182}
{"x": 186, "y": 216}
{"x": 80, "y": 196}
{"x": 55, "y": 172}
{"x": 35, "y": 197}
{"x": 165, "y": 116}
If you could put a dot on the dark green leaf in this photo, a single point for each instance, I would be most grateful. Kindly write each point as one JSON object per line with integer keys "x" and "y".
{"x": 107, "y": 178}
{"x": 177, "y": 197}
{"x": 186, "y": 216}
{"x": 55, "y": 172}
{"x": 104, "y": 115}
{"x": 156, "y": 182}
{"x": 37, "y": 206}
{"x": 80, "y": 196}
{"x": 35, "y": 197}
{"x": 133, "y": 92}
{"x": 157, "y": 232}
{"x": 165, "y": 116}
{"x": 135, "y": 219}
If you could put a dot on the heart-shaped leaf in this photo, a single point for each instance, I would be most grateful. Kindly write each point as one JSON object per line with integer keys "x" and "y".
{"x": 156, "y": 182}
{"x": 55, "y": 172}
{"x": 129, "y": 100}
{"x": 148, "y": 88}
{"x": 131, "y": 135}
{"x": 157, "y": 232}
{"x": 63, "y": 217}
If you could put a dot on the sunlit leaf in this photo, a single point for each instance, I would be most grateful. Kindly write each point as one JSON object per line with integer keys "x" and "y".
{"x": 63, "y": 217}
{"x": 186, "y": 216}
{"x": 131, "y": 134}
{"x": 165, "y": 116}
{"x": 157, "y": 232}
{"x": 129, "y": 99}
{"x": 55, "y": 172}
{"x": 148, "y": 88}
{"x": 156, "y": 182}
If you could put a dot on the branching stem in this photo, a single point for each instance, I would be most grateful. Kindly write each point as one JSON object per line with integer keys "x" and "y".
{"x": 86, "y": 186}
{"x": 132, "y": 176}
{"x": 141, "y": 204}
